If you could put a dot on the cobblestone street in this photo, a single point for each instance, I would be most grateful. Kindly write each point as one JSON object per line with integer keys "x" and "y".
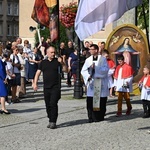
{"x": 25, "y": 128}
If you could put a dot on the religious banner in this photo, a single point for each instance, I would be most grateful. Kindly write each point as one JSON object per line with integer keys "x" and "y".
{"x": 45, "y": 12}
{"x": 131, "y": 42}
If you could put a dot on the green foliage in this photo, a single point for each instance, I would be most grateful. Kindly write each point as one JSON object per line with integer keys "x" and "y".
{"x": 45, "y": 33}
{"x": 140, "y": 14}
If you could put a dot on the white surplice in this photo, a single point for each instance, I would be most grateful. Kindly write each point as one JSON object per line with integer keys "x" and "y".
{"x": 101, "y": 71}
{"x": 145, "y": 92}
{"x": 119, "y": 82}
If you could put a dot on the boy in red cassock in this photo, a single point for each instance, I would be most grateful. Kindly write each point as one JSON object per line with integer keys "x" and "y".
{"x": 123, "y": 77}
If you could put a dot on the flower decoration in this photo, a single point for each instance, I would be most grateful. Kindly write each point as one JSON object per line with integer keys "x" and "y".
{"x": 67, "y": 14}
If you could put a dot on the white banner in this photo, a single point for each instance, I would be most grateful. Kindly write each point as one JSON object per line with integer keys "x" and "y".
{"x": 92, "y": 16}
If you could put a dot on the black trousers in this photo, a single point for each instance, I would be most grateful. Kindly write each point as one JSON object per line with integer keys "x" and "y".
{"x": 146, "y": 106}
{"x": 51, "y": 97}
{"x": 96, "y": 115}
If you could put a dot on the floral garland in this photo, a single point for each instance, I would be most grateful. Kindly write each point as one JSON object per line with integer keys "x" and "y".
{"x": 67, "y": 14}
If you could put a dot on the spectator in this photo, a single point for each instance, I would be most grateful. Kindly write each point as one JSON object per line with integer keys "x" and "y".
{"x": 45, "y": 45}
{"x": 68, "y": 51}
{"x": 3, "y": 88}
{"x": 26, "y": 51}
{"x": 72, "y": 65}
{"x": 62, "y": 54}
{"x": 16, "y": 69}
{"x": 22, "y": 88}
{"x": 34, "y": 60}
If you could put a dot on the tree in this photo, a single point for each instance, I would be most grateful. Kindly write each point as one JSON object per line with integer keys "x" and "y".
{"x": 62, "y": 34}
{"x": 140, "y": 15}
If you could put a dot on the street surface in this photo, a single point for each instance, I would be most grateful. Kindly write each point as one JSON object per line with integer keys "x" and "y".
{"x": 25, "y": 128}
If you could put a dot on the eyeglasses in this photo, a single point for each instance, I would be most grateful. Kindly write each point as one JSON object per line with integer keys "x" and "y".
{"x": 92, "y": 49}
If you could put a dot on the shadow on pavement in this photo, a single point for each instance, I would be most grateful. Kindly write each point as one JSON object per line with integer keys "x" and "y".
{"x": 13, "y": 111}
{"x": 73, "y": 123}
{"x": 136, "y": 113}
{"x": 144, "y": 128}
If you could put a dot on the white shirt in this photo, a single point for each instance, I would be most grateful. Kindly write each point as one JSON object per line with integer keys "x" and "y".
{"x": 120, "y": 82}
{"x": 145, "y": 93}
{"x": 15, "y": 60}
{"x": 9, "y": 68}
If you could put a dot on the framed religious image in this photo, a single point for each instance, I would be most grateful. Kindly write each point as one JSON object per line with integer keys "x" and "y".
{"x": 131, "y": 42}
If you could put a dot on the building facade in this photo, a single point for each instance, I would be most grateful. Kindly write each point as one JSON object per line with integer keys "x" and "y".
{"x": 9, "y": 20}
{"x": 15, "y": 20}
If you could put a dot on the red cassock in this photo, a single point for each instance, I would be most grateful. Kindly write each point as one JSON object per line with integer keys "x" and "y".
{"x": 147, "y": 82}
{"x": 111, "y": 63}
{"x": 127, "y": 71}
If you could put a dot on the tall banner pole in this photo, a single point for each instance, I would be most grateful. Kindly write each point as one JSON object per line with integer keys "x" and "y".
{"x": 39, "y": 36}
{"x": 58, "y": 28}
{"x": 146, "y": 27}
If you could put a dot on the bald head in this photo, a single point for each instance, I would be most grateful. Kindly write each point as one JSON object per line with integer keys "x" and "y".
{"x": 51, "y": 53}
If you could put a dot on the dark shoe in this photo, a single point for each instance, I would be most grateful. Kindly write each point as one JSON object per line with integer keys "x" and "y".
{"x": 119, "y": 114}
{"x": 90, "y": 120}
{"x": 5, "y": 112}
{"x": 52, "y": 125}
{"x": 69, "y": 85}
{"x": 146, "y": 115}
{"x": 15, "y": 101}
{"x": 128, "y": 112}
{"x": 48, "y": 126}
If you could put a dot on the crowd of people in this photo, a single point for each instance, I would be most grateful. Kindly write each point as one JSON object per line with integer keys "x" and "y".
{"x": 102, "y": 77}
{"x": 19, "y": 63}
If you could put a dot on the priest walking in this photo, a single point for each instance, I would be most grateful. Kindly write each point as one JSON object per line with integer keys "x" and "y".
{"x": 95, "y": 75}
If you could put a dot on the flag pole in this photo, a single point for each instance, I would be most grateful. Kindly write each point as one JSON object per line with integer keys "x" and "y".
{"x": 147, "y": 33}
{"x": 58, "y": 27}
{"x": 78, "y": 89}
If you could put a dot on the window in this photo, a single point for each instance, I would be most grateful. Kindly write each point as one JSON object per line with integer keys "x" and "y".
{"x": 16, "y": 29}
{"x": 1, "y": 29}
{"x": 9, "y": 30}
{"x": 1, "y": 7}
{"x": 16, "y": 13}
{"x": 10, "y": 12}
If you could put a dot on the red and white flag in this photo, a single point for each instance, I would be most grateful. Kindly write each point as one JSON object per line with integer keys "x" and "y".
{"x": 92, "y": 16}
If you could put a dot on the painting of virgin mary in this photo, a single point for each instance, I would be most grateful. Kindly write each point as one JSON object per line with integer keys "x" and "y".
{"x": 131, "y": 56}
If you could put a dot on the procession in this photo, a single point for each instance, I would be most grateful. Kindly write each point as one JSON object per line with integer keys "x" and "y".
{"x": 75, "y": 92}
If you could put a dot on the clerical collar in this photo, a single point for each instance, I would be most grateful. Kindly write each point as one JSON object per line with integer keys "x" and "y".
{"x": 95, "y": 58}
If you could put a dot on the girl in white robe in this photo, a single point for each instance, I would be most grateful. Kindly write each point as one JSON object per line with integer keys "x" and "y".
{"x": 144, "y": 83}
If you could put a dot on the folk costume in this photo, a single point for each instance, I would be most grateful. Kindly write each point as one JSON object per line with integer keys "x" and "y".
{"x": 145, "y": 94}
{"x": 96, "y": 80}
{"x": 123, "y": 77}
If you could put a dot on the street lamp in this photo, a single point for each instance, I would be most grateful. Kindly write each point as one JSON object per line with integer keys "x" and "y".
{"x": 78, "y": 88}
